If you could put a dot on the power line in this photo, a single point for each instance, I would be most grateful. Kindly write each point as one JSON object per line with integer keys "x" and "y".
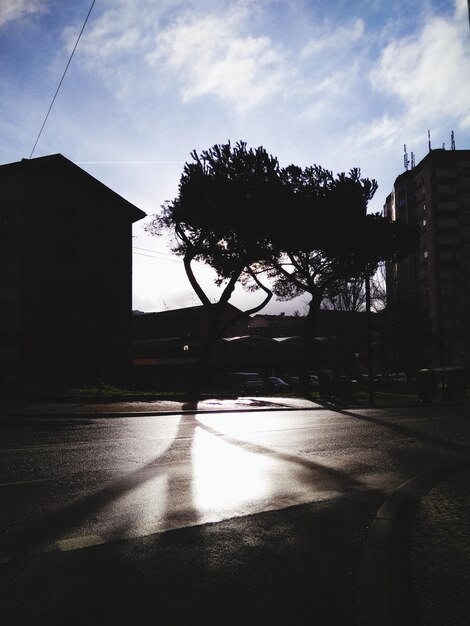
{"x": 130, "y": 162}
{"x": 61, "y": 80}
{"x": 153, "y": 251}
{"x": 157, "y": 258}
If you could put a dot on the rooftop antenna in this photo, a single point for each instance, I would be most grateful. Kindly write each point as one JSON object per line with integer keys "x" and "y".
{"x": 412, "y": 160}
{"x": 452, "y": 137}
{"x": 429, "y": 140}
{"x": 405, "y": 158}
{"x": 443, "y": 145}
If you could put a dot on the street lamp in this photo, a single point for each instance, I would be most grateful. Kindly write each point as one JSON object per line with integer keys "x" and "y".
{"x": 185, "y": 353}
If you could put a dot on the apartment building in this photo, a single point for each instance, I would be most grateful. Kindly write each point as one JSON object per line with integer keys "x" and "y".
{"x": 429, "y": 292}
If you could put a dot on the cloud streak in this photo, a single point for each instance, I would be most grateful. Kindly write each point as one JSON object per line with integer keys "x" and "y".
{"x": 11, "y": 10}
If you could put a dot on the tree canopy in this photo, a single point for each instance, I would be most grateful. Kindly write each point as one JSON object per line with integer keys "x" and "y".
{"x": 305, "y": 229}
{"x": 329, "y": 235}
{"x": 226, "y": 197}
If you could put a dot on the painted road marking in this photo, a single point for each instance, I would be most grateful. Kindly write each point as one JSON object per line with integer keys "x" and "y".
{"x": 78, "y": 543}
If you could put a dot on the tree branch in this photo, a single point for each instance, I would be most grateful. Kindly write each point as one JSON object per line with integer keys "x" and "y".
{"x": 243, "y": 314}
{"x": 188, "y": 257}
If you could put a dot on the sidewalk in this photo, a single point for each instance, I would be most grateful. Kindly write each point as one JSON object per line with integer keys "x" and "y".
{"x": 415, "y": 568}
{"x": 440, "y": 552}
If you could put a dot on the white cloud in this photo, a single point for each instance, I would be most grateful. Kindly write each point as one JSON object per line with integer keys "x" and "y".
{"x": 420, "y": 82}
{"x": 461, "y": 10}
{"x": 114, "y": 43}
{"x": 139, "y": 45}
{"x": 116, "y": 32}
{"x": 107, "y": 37}
{"x": 210, "y": 56}
{"x": 14, "y": 9}
{"x": 429, "y": 73}
{"x": 333, "y": 66}
{"x": 339, "y": 39}
{"x": 333, "y": 96}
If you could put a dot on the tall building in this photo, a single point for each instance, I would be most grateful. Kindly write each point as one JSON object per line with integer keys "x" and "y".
{"x": 65, "y": 272}
{"x": 429, "y": 292}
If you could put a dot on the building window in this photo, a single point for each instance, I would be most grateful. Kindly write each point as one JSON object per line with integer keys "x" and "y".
{"x": 424, "y": 223}
{"x": 446, "y": 189}
{"x": 447, "y": 224}
{"x": 425, "y": 254}
{"x": 448, "y": 205}
{"x": 446, "y": 239}
{"x": 446, "y": 173}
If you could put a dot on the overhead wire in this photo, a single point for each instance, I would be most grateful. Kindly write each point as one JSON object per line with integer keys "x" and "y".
{"x": 159, "y": 256}
{"x": 62, "y": 79}
{"x": 153, "y": 251}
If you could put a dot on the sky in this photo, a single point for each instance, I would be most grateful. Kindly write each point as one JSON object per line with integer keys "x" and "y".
{"x": 339, "y": 84}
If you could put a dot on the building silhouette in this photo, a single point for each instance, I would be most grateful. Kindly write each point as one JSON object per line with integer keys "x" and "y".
{"x": 428, "y": 293}
{"x": 65, "y": 272}
{"x": 167, "y": 344}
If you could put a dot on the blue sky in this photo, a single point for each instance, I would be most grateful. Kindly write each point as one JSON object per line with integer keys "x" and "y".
{"x": 338, "y": 83}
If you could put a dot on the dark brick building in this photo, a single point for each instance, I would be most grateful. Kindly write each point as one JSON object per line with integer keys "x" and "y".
{"x": 65, "y": 272}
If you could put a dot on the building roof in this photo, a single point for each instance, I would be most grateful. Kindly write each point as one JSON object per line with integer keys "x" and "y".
{"x": 63, "y": 168}
{"x": 436, "y": 156}
{"x": 189, "y": 321}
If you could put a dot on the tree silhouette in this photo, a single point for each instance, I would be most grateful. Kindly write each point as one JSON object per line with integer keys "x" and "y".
{"x": 329, "y": 237}
{"x": 226, "y": 199}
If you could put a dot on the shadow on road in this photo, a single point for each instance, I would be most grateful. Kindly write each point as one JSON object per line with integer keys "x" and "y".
{"x": 57, "y": 524}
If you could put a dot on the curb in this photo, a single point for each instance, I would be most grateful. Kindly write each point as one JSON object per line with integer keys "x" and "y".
{"x": 117, "y": 414}
{"x": 385, "y": 592}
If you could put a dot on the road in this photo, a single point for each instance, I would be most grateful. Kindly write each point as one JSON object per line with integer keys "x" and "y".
{"x": 87, "y": 495}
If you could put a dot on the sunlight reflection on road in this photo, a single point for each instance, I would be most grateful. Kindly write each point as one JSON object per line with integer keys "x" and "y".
{"x": 206, "y": 468}
{"x": 225, "y": 474}
{"x": 240, "y": 425}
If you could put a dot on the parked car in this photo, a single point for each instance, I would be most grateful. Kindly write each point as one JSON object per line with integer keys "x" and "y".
{"x": 274, "y": 382}
{"x": 294, "y": 381}
{"x": 246, "y": 382}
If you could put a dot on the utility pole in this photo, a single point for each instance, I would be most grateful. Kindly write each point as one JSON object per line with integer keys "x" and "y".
{"x": 370, "y": 365}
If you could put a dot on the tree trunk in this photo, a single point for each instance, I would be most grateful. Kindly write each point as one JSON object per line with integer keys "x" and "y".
{"x": 310, "y": 327}
{"x": 200, "y": 374}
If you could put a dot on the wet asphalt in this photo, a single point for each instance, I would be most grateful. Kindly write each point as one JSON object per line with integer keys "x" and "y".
{"x": 355, "y": 559}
